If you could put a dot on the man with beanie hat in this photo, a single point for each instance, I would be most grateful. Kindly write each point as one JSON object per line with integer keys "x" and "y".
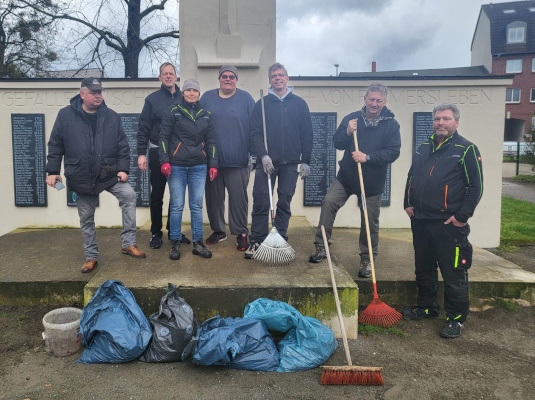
{"x": 230, "y": 108}
{"x": 147, "y": 136}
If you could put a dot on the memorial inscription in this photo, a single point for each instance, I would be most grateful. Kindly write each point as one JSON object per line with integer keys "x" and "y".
{"x": 422, "y": 128}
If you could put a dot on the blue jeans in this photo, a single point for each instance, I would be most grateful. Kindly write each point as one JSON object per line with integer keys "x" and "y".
{"x": 194, "y": 178}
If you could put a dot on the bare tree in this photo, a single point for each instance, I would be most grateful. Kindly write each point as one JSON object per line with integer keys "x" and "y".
{"x": 26, "y": 39}
{"x": 104, "y": 32}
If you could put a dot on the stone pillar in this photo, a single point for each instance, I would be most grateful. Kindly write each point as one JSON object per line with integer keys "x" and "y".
{"x": 218, "y": 32}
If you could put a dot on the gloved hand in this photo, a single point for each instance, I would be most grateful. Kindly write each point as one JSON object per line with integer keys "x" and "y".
{"x": 213, "y": 173}
{"x": 304, "y": 170}
{"x": 267, "y": 164}
{"x": 252, "y": 163}
{"x": 166, "y": 169}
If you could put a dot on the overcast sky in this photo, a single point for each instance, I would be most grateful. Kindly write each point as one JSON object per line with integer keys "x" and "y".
{"x": 313, "y": 35}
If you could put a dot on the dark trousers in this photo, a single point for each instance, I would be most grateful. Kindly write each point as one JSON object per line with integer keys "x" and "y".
{"x": 157, "y": 190}
{"x": 286, "y": 175}
{"x": 446, "y": 247}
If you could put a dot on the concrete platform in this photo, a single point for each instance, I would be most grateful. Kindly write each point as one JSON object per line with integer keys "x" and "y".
{"x": 43, "y": 266}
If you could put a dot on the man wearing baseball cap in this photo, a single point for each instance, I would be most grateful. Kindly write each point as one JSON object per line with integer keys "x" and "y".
{"x": 230, "y": 108}
{"x": 89, "y": 137}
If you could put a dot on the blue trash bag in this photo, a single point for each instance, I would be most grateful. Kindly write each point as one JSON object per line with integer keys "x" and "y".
{"x": 236, "y": 343}
{"x": 307, "y": 344}
{"x": 113, "y": 327}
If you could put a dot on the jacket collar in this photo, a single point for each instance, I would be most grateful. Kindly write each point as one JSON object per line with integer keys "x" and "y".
{"x": 168, "y": 93}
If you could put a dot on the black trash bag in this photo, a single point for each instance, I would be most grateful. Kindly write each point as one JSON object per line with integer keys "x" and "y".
{"x": 236, "y": 343}
{"x": 174, "y": 330}
{"x": 113, "y": 327}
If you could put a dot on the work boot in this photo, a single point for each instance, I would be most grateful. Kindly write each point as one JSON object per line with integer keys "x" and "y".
{"x": 155, "y": 241}
{"x": 452, "y": 329}
{"x": 199, "y": 249}
{"x": 175, "y": 249}
{"x": 318, "y": 256}
{"x": 216, "y": 237}
{"x": 88, "y": 266}
{"x": 241, "y": 242}
{"x": 418, "y": 313}
{"x": 133, "y": 251}
{"x": 253, "y": 247}
{"x": 365, "y": 270}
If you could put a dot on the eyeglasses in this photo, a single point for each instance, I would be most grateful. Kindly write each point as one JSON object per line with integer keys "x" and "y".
{"x": 277, "y": 76}
{"x": 231, "y": 77}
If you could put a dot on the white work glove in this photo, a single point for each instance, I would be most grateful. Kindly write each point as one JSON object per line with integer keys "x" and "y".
{"x": 267, "y": 164}
{"x": 304, "y": 170}
{"x": 252, "y": 163}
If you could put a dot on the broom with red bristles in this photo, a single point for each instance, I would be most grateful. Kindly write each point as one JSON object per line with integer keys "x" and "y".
{"x": 350, "y": 374}
{"x": 377, "y": 313}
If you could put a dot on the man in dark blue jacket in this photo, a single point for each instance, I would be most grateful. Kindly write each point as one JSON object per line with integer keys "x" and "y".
{"x": 148, "y": 134}
{"x": 289, "y": 140}
{"x": 444, "y": 186}
{"x": 379, "y": 143}
{"x": 90, "y": 137}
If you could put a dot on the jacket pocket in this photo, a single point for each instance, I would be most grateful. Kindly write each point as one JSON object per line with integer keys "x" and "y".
{"x": 463, "y": 256}
{"x": 72, "y": 165}
{"x": 108, "y": 169}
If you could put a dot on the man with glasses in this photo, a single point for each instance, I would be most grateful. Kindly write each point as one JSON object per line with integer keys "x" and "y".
{"x": 379, "y": 143}
{"x": 289, "y": 139}
{"x": 230, "y": 108}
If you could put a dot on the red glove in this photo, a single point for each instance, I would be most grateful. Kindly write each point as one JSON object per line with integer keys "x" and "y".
{"x": 166, "y": 169}
{"x": 213, "y": 173}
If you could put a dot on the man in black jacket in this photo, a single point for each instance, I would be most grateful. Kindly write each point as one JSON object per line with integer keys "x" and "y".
{"x": 97, "y": 157}
{"x": 444, "y": 186}
{"x": 150, "y": 120}
{"x": 379, "y": 143}
{"x": 289, "y": 139}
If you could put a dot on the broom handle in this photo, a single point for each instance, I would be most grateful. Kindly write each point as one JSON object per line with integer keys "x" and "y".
{"x": 266, "y": 145}
{"x": 365, "y": 212}
{"x": 336, "y": 299}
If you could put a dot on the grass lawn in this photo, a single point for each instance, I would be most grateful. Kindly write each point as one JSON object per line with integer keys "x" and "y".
{"x": 524, "y": 179}
{"x": 518, "y": 223}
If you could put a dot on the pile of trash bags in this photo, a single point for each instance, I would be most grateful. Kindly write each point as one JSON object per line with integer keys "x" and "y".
{"x": 115, "y": 330}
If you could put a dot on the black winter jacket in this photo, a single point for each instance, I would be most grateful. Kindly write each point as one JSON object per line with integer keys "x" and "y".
{"x": 445, "y": 179}
{"x": 288, "y": 127}
{"x": 187, "y": 136}
{"x": 151, "y": 116}
{"x": 92, "y": 159}
{"x": 382, "y": 143}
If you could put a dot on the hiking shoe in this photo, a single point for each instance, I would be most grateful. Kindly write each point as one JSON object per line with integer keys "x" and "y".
{"x": 175, "y": 249}
{"x": 199, "y": 249}
{"x": 185, "y": 240}
{"x": 365, "y": 270}
{"x": 452, "y": 329}
{"x": 216, "y": 237}
{"x": 242, "y": 243}
{"x": 155, "y": 242}
{"x": 418, "y": 313}
{"x": 253, "y": 247}
{"x": 318, "y": 256}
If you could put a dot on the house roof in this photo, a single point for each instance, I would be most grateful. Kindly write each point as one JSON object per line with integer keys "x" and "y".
{"x": 499, "y": 21}
{"x": 459, "y": 72}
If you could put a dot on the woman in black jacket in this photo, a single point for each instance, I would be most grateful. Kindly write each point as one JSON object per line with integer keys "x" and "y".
{"x": 187, "y": 150}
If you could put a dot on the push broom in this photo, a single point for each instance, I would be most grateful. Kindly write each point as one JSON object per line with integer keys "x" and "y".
{"x": 274, "y": 249}
{"x": 350, "y": 374}
{"x": 377, "y": 313}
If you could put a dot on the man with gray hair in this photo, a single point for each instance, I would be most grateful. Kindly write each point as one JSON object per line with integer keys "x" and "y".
{"x": 379, "y": 145}
{"x": 444, "y": 186}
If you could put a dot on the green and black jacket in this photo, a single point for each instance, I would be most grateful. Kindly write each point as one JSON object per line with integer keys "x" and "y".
{"x": 445, "y": 179}
{"x": 187, "y": 136}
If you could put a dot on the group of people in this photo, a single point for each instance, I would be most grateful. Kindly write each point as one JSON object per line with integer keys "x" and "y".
{"x": 211, "y": 144}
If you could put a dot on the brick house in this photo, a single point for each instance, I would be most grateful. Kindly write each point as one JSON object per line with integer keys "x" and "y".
{"x": 504, "y": 42}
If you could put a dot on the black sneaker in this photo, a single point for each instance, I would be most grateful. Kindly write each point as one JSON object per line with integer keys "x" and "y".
{"x": 199, "y": 249}
{"x": 185, "y": 240}
{"x": 242, "y": 243}
{"x": 155, "y": 242}
{"x": 175, "y": 250}
{"x": 216, "y": 237}
{"x": 452, "y": 329}
{"x": 318, "y": 256}
{"x": 253, "y": 247}
{"x": 418, "y": 313}
{"x": 365, "y": 270}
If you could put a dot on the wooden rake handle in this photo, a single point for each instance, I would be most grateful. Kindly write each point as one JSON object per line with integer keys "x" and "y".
{"x": 365, "y": 212}
{"x": 336, "y": 299}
